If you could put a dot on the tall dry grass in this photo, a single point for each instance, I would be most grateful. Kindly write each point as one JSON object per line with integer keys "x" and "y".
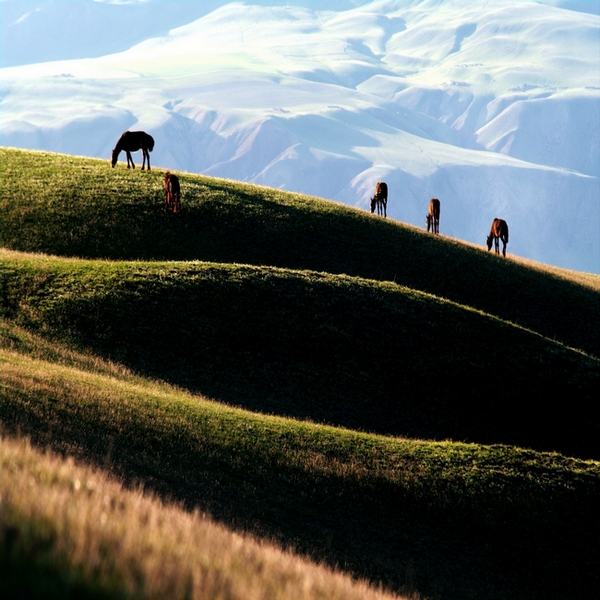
{"x": 127, "y": 543}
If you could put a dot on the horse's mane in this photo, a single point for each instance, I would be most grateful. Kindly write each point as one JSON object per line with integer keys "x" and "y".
{"x": 121, "y": 141}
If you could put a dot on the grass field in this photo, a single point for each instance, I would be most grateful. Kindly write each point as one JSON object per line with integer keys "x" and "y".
{"x": 349, "y": 388}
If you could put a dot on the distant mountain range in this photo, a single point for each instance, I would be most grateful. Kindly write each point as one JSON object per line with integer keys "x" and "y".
{"x": 492, "y": 107}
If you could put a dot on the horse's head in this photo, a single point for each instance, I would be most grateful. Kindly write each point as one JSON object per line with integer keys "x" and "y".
{"x": 373, "y": 204}
{"x": 428, "y": 222}
{"x": 489, "y": 241}
{"x": 115, "y": 157}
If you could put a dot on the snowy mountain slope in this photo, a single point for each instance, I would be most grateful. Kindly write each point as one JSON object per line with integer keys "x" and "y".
{"x": 494, "y": 107}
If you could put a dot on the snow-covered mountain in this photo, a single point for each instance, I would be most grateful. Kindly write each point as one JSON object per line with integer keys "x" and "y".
{"x": 491, "y": 106}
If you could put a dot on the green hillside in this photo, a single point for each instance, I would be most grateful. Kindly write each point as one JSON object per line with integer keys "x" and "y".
{"x": 346, "y": 351}
{"x": 444, "y": 520}
{"x": 72, "y": 206}
{"x": 351, "y": 358}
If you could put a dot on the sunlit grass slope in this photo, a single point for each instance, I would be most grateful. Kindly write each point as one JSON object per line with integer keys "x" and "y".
{"x": 87, "y": 537}
{"x": 81, "y": 207}
{"x": 346, "y": 351}
{"x": 448, "y": 520}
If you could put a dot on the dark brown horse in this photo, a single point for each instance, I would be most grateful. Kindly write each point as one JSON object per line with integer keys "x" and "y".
{"x": 433, "y": 216}
{"x": 172, "y": 193}
{"x": 499, "y": 231}
{"x": 379, "y": 200}
{"x": 132, "y": 141}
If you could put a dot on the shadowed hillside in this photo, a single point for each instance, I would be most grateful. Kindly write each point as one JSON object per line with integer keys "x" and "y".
{"x": 81, "y": 207}
{"x": 289, "y": 306}
{"x": 440, "y": 520}
{"x": 340, "y": 350}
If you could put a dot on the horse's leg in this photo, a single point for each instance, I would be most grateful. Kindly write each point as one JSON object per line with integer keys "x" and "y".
{"x": 503, "y": 248}
{"x": 129, "y": 159}
{"x": 384, "y": 209}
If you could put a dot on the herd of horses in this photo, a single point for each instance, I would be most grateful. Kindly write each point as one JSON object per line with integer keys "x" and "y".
{"x": 133, "y": 141}
{"x": 498, "y": 232}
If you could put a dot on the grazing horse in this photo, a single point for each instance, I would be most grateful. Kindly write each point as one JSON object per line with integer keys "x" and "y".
{"x": 433, "y": 216}
{"x": 379, "y": 200}
{"x": 132, "y": 141}
{"x": 172, "y": 193}
{"x": 499, "y": 231}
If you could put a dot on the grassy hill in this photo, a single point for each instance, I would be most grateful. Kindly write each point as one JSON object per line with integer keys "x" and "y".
{"x": 72, "y": 206}
{"x": 85, "y": 536}
{"x": 445, "y": 519}
{"x": 345, "y": 351}
{"x": 347, "y": 325}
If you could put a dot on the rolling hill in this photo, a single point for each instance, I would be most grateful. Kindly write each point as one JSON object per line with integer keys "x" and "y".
{"x": 491, "y": 107}
{"x": 384, "y": 396}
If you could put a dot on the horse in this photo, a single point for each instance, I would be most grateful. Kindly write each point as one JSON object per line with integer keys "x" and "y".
{"x": 433, "y": 216}
{"x": 132, "y": 141}
{"x": 499, "y": 231}
{"x": 172, "y": 193}
{"x": 379, "y": 200}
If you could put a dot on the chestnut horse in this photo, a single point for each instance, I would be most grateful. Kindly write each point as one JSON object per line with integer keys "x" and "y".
{"x": 132, "y": 141}
{"x": 433, "y": 216}
{"x": 499, "y": 231}
{"x": 379, "y": 200}
{"x": 172, "y": 193}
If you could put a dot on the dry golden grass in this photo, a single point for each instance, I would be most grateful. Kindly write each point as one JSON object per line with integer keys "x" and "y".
{"x": 130, "y": 543}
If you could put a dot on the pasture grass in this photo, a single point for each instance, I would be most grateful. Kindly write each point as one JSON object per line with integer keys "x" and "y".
{"x": 445, "y": 519}
{"x": 70, "y": 531}
{"x": 72, "y": 206}
{"x": 334, "y": 349}
{"x": 287, "y": 306}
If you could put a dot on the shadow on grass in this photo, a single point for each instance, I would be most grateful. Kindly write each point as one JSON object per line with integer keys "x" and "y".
{"x": 342, "y": 351}
{"x": 520, "y": 543}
